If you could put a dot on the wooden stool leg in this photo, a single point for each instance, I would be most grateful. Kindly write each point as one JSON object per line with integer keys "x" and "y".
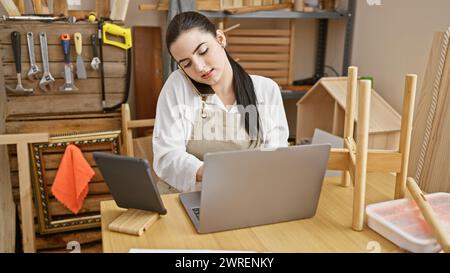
{"x": 127, "y": 133}
{"x": 405, "y": 134}
{"x": 359, "y": 192}
{"x": 352, "y": 83}
{"x": 26, "y": 198}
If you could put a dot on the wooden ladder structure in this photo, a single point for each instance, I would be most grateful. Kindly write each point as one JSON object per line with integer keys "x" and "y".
{"x": 355, "y": 159}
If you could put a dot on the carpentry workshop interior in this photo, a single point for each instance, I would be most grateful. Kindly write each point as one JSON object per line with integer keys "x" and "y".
{"x": 307, "y": 126}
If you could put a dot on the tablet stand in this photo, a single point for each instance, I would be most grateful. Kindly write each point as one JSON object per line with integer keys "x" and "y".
{"x": 133, "y": 221}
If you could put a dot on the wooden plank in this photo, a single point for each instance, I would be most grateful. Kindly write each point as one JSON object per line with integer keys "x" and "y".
{"x": 10, "y": 7}
{"x": 291, "y": 51}
{"x": 21, "y": 138}
{"x": 260, "y": 57}
{"x": 277, "y": 49}
{"x": 435, "y": 174}
{"x": 95, "y": 247}
{"x": 52, "y": 30}
{"x": 50, "y": 175}
{"x": 95, "y": 188}
{"x": 88, "y": 86}
{"x": 58, "y": 104}
{"x": 112, "y": 70}
{"x": 377, "y": 160}
{"x": 60, "y": 8}
{"x": 8, "y": 211}
{"x": 61, "y": 126}
{"x": 260, "y": 32}
{"x": 41, "y": 6}
{"x": 60, "y": 240}
{"x": 110, "y": 53}
{"x": 26, "y": 198}
{"x": 258, "y": 41}
{"x": 265, "y": 65}
{"x": 148, "y": 72}
{"x": 91, "y": 204}
{"x": 102, "y": 8}
{"x": 267, "y": 73}
{"x": 51, "y": 161}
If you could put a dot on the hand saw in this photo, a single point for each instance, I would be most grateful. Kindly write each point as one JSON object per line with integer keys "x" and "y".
{"x": 125, "y": 33}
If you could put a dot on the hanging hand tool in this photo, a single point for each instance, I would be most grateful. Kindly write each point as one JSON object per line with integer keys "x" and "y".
{"x": 47, "y": 78}
{"x": 33, "y": 73}
{"x": 15, "y": 40}
{"x": 125, "y": 33}
{"x": 68, "y": 77}
{"x": 81, "y": 70}
{"x": 95, "y": 63}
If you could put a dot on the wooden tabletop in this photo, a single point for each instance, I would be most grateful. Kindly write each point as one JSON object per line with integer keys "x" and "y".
{"x": 329, "y": 231}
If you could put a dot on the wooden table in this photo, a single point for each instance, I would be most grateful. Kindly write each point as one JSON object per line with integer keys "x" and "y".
{"x": 329, "y": 231}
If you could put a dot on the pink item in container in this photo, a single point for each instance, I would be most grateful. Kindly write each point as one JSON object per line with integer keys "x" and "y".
{"x": 401, "y": 222}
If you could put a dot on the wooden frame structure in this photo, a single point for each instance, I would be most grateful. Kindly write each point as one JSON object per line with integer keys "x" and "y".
{"x": 355, "y": 159}
{"x": 127, "y": 129}
{"x": 22, "y": 142}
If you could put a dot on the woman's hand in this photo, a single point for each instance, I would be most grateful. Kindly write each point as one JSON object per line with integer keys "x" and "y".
{"x": 199, "y": 175}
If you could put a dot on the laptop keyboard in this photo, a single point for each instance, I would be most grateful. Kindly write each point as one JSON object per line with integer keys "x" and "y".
{"x": 196, "y": 212}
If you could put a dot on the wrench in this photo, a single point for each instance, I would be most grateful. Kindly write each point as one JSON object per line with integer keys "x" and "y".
{"x": 47, "y": 78}
{"x": 95, "y": 63}
{"x": 33, "y": 73}
{"x": 15, "y": 40}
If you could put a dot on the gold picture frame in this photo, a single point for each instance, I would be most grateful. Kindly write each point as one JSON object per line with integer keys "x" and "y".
{"x": 107, "y": 141}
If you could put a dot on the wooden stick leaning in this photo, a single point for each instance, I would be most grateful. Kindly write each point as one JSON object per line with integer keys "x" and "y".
{"x": 429, "y": 215}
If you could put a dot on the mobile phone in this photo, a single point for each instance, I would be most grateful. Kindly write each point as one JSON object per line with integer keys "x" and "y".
{"x": 202, "y": 89}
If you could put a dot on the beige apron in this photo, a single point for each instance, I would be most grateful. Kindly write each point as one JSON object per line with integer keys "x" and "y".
{"x": 227, "y": 134}
{"x": 216, "y": 130}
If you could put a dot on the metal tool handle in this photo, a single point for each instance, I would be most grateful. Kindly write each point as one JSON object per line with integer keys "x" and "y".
{"x": 65, "y": 42}
{"x": 30, "y": 42}
{"x": 15, "y": 40}
{"x": 44, "y": 51}
{"x": 94, "y": 40}
{"x": 78, "y": 42}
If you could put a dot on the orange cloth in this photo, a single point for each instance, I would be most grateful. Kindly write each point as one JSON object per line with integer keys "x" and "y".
{"x": 71, "y": 182}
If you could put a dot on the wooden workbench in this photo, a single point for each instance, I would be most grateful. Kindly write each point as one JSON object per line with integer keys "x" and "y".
{"x": 329, "y": 231}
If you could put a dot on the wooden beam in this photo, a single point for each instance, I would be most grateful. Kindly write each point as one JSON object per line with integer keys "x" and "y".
{"x": 257, "y": 8}
{"x": 23, "y": 138}
{"x": 405, "y": 134}
{"x": 26, "y": 194}
{"x": 141, "y": 123}
{"x": 127, "y": 134}
{"x": 361, "y": 155}
{"x": 26, "y": 198}
{"x": 377, "y": 160}
{"x": 352, "y": 83}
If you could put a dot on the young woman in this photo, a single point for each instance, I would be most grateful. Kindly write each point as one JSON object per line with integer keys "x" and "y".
{"x": 210, "y": 104}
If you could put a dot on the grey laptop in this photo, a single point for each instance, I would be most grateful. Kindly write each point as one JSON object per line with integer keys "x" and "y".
{"x": 130, "y": 182}
{"x": 255, "y": 187}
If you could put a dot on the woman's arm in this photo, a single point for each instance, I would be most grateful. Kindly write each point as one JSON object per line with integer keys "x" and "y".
{"x": 275, "y": 126}
{"x": 171, "y": 162}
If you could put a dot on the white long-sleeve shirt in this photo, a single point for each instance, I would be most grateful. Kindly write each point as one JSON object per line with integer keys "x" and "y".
{"x": 175, "y": 120}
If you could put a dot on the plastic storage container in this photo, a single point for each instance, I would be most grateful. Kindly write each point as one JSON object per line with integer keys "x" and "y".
{"x": 401, "y": 222}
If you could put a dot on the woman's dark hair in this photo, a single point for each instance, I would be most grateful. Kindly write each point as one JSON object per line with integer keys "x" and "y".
{"x": 242, "y": 83}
